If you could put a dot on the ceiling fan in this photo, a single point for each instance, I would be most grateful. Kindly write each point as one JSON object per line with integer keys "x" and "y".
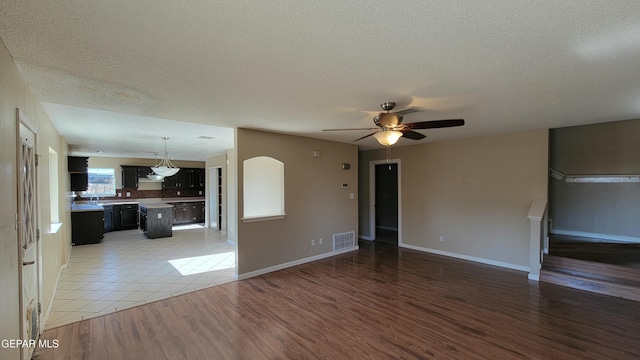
{"x": 390, "y": 126}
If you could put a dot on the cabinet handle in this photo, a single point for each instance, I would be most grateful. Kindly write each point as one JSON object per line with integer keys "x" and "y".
{"x": 25, "y": 263}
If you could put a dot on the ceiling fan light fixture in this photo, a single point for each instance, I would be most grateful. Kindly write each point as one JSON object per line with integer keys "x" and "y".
{"x": 387, "y": 137}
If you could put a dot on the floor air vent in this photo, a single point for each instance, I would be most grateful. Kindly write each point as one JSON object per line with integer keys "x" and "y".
{"x": 344, "y": 240}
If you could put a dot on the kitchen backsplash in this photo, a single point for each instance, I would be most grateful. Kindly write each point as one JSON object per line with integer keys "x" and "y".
{"x": 144, "y": 194}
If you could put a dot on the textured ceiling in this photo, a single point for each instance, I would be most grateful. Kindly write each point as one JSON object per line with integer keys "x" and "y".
{"x": 301, "y": 66}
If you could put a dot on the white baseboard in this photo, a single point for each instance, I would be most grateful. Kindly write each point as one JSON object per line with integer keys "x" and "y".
{"x": 231, "y": 242}
{"x": 534, "y": 277}
{"x": 294, "y": 263}
{"x": 47, "y": 312}
{"x": 467, "y": 257}
{"x": 365, "y": 237}
{"x": 621, "y": 238}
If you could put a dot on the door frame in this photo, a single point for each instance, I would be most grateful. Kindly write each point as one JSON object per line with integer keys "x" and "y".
{"x": 372, "y": 197}
{"x": 23, "y": 121}
{"x": 213, "y": 191}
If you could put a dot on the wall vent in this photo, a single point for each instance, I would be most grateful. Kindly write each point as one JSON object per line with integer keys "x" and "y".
{"x": 344, "y": 240}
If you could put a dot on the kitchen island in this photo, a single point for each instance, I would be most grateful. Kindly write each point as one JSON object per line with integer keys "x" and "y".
{"x": 156, "y": 220}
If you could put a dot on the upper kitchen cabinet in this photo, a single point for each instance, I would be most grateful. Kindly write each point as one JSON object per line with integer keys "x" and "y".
{"x": 78, "y": 164}
{"x": 174, "y": 181}
{"x": 198, "y": 178}
{"x": 186, "y": 178}
{"x": 78, "y": 167}
{"x": 130, "y": 177}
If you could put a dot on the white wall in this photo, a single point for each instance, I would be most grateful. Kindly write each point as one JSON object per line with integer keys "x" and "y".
{"x": 15, "y": 93}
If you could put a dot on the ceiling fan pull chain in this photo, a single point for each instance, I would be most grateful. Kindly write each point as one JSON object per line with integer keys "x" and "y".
{"x": 388, "y": 157}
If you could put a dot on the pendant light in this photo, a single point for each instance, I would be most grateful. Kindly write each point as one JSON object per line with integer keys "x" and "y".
{"x": 165, "y": 167}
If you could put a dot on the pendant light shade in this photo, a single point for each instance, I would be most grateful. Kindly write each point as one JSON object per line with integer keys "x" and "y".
{"x": 165, "y": 167}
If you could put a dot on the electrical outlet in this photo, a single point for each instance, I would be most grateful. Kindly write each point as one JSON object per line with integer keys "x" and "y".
{"x": 119, "y": 194}
{"x": 200, "y": 192}
{"x": 128, "y": 194}
{"x": 159, "y": 215}
{"x": 313, "y": 242}
{"x": 320, "y": 241}
{"x": 441, "y": 238}
{"x": 178, "y": 193}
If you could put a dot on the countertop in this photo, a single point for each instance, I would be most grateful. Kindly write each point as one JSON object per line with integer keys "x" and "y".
{"x": 81, "y": 206}
{"x": 86, "y": 207}
{"x": 140, "y": 201}
{"x": 156, "y": 206}
{"x": 184, "y": 199}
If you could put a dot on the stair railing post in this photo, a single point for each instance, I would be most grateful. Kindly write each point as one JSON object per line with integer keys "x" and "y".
{"x": 537, "y": 216}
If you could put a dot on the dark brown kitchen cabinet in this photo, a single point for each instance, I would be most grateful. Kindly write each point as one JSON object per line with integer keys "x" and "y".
{"x": 198, "y": 178}
{"x": 185, "y": 213}
{"x": 79, "y": 182}
{"x": 130, "y": 177}
{"x": 186, "y": 178}
{"x": 125, "y": 217}
{"x": 188, "y": 212}
{"x": 171, "y": 182}
{"x": 108, "y": 218}
{"x": 200, "y": 208}
{"x": 78, "y": 177}
{"x": 87, "y": 227}
{"x": 78, "y": 164}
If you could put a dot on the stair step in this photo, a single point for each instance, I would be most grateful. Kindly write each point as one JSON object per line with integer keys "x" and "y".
{"x": 593, "y": 270}
{"x": 593, "y": 285}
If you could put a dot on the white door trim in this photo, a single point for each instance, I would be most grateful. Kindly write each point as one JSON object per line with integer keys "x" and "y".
{"x": 24, "y": 126}
{"x": 372, "y": 197}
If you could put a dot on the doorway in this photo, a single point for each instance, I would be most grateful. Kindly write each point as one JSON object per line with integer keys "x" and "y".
{"x": 215, "y": 200}
{"x": 385, "y": 201}
{"x": 29, "y": 253}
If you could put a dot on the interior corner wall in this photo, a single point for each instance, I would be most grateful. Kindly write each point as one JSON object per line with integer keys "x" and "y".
{"x": 475, "y": 192}
{"x": 603, "y": 210}
{"x": 316, "y": 204}
{"x": 16, "y": 93}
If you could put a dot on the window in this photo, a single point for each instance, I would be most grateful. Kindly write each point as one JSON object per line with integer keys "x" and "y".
{"x": 102, "y": 182}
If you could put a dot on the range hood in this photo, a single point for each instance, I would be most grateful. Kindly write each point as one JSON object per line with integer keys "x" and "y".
{"x": 146, "y": 179}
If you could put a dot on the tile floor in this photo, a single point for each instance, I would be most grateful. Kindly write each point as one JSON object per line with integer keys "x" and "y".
{"x": 126, "y": 269}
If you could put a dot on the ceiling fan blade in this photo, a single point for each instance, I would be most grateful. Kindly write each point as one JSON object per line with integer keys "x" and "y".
{"x": 366, "y": 136}
{"x": 407, "y": 111}
{"x": 434, "y": 124}
{"x": 349, "y": 129}
{"x": 413, "y": 135}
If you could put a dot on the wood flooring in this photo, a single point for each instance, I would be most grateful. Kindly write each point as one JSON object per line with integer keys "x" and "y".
{"x": 614, "y": 253}
{"x": 380, "y": 302}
